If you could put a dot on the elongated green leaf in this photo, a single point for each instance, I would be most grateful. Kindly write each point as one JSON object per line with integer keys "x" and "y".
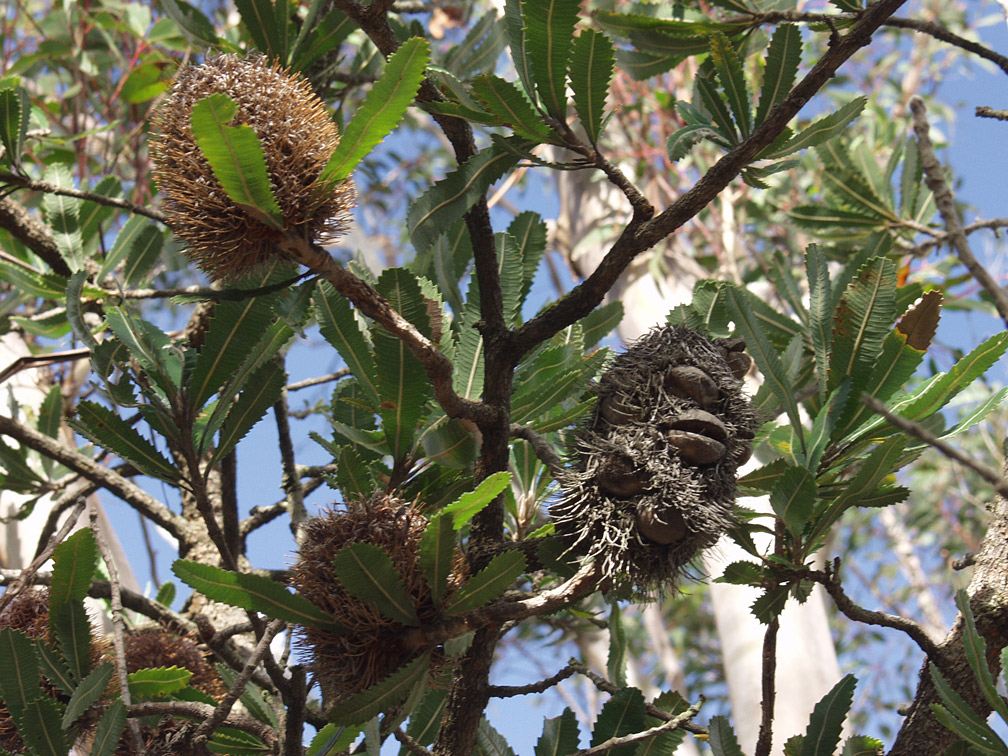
{"x": 90, "y": 690}
{"x": 976, "y": 655}
{"x": 426, "y": 717}
{"x": 666, "y": 743}
{"x": 127, "y": 237}
{"x": 333, "y": 739}
{"x": 261, "y": 393}
{"x": 40, "y": 728}
{"x": 251, "y": 696}
{"x": 314, "y": 41}
{"x": 862, "y": 319}
{"x": 767, "y": 359}
{"x": 722, "y": 738}
{"x": 960, "y": 717}
{"x": 236, "y": 157}
{"x": 820, "y": 317}
{"x": 437, "y": 208}
{"x": 19, "y": 672}
{"x": 105, "y": 428}
{"x": 488, "y": 583}
{"x": 529, "y": 232}
{"x": 54, "y": 668}
{"x": 826, "y": 722}
{"x": 110, "y": 728}
{"x": 437, "y": 551}
{"x": 63, "y": 215}
{"x": 157, "y": 682}
{"x": 559, "y": 737}
{"x": 819, "y": 131}
{"x": 706, "y": 87}
{"x": 369, "y": 574}
{"x": 793, "y": 498}
{"x": 621, "y": 715}
{"x": 263, "y": 25}
{"x": 236, "y": 742}
{"x": 729, "y": 73}
{"x": 470, "y": 504}
{"x": 616, "y": 662}
{"x": 254, "y": 592}
{"x": 142, "y": 255}
{"x": 489, "y": 742}
{"x": 151, "y": 347}
{"x": 591, "y": 71}
{"x": 783, "y": 57}
{"x": 549, "y": 30}
{"x": 682, "y": 141}
{"x": 862, "y": 745}
{"x": 31, "y": 282}
{"x": 353, "y": 474}
{"x": 830, "y": 220}
{"x": 15, "y": 110}
{"x": 741, "y": 573}
{"x": 72, "y": 629}
{"x": 391, "y": 691}
{"x": 73, "y": 568}
{"x": 49, "y": 420}
{"x": 512, "y": 107}
{"x": 191, "y": 22}
{"x": 382, "y": 110}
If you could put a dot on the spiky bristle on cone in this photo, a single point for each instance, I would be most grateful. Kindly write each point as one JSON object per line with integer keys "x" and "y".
{"x": 298, "y": 137}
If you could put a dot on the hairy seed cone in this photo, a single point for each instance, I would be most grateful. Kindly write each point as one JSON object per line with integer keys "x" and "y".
{"x": 298, "y": 137}
{"x": 654, "y": 482}
{"x": 345, "y": 663}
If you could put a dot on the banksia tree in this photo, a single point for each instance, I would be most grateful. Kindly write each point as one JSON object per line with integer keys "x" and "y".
{"x": 228, "y": 238}
{"x": 655, "y": 479}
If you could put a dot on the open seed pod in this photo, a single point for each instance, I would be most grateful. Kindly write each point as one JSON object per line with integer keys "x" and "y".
{"x": 370, "y": 646}
{"x": 654, "y": 481}
{"x": 298, "y": 137}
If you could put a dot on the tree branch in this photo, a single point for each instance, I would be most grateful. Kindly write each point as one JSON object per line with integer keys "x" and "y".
{"x": 202, "y": 711}
{"x": 765, "y": 739}
{"x": 31, "y": 232}
{"x": 677, "y": 722}
{"x": 508, "y": 691}
{"x": 23, "y": 182}
{"x": 541, "y": 447}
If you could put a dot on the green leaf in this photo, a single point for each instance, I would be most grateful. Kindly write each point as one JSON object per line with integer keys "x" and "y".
{"x": 191, "y": 22}
{"x": 267, "y": 29}
{"x": 511, "y": 107}
{"x": 793, "y": 498}
{"x": 729, "y": 73}
{"x": 682, "y": 141}
{"x": 621, "y": 715}
{"x": 262, "y": 392}
{"x": 479, "y": 50}
{"x": 783, "y": 57}
{"x": 73, "y": 568}
{"x": 549, "y": 30}
{"x": 69, "y": 623}
{"x": 819, "y": 131}
{"x": 333, "y": 739}
{"x": 253, "y": 592}
{"x": 976, "y": 655}
{"x": 315, "y": 40}
{"x": 770, "y": 604}
{"x": 489, "y": 742}
{"x": 383, "y": 108}
{"x": 957, "y": 715}
{"x": 448, "y": 199}
{"x": 591, "y": 71}
{"x": 19, "y": 672}
{"x": 110, "y": 728}
{"x": 826, "y": 722}
{"x": 63, "y": 216}
{"x": 820, "y": 315}
{"x": 15, "y": 110}
{"x": 33, "y": 283}
{"x": 109, "y": 431}
{"x": 470, "y": 504}
{"x": 722, "y": 738}
{"x": 426, "y": 718}
{"x": 40, "y": 728}
{"x": 600, "y": 322}
{"x": 862, "y": 745}
{"x": 54, "y": 668}
{"x": 236, "y": 157}
{"x": 742, "y": 573}
{"x": 157, "y": 682}
{"x": 437, "y": 552}
{"x": 616, "y": 663}
{"x": 488, "y": 583}
{"x": 88, "y": 692}
{"x": 559, "y": 736}
{"x": 382, "y": 696}
{"x": 251, "y": 696}
{"x": 368, "y": 573}
{"x": 767, "y": 359}
{"x": 233, "y": 742}
{"x": 707, "y": 89}
{"x": 862, "y": 319}
{"x": 152, "y": 348}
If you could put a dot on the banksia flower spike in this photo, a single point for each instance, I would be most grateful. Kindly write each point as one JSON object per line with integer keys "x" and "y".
{"x": 224, "y": 238}
{"x": 654, "y": 482}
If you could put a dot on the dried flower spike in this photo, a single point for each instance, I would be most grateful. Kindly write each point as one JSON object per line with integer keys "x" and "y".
{"x": 655, "y": 479}
{"x": 298, "y": 137}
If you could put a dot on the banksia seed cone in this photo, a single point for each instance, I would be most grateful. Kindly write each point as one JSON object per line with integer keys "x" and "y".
{"x": 370, "y": 647}
{"x": 655, "y": 478}
{"x": 298, "y": 137}
{"x": 154, "y": 646}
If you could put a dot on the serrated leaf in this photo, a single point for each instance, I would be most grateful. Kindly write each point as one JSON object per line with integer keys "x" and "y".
{"x": 470, "y": 504}
{"x": 819, "y": 131}
{"x": 820, "y": 315}
{"x": 157, "y": 682}
{"x": 34, "y": 283}
{"x": 488, "y": 583}
{"x": 621, "y": 715}
{"x": 19, "y": 672}
{"x": 110, "y": 728}
{"x": 353, "y": 475}
{"x": 234, "y": 742}
{"x": 236, "y": 157}
{"x": 976, "y": 655}
{"x": 54, "y": 668}
{"x": 862, "y": 745}
{"x": 770, "y": 604}
{"x": 549, "y": 31}
{"x": 73, "y": 568}
{"x": 729, "y": 73}
{"x": 191, "y": 22}
{"x": 128, "y": 238}
{"x": 862, "y": 319}
{"x": 489, "y": 742}
{"x": 88, "y": 692}
{"x": 72, "y": 629}
{"x": 560, "y": 736}
{"x": 957, "y": 715}
{"x": 711, "y": 98}
{"x": 600, "y": 322}
{"x": 63, "y": 216}
{"x": 437, "y": 552}
{"x": 383, "y": 108}
{"x": 666, "y": 743}
{"x": 783, "y": 57}
{"x": 616, "y": 662}
{"x": 251, "y": 696}
{"x": 105, "y": 428}
{"x": 15, "y": 110}
{"x": 826, "y": 722}
{"x": 591, "y": 71}
{"x": 741, "y": 573}
{"x": 267, "y": 29}
{"x": 40, "y": 728}
{"x": 149, "y": 345}
{"x": 382, "y": 696}
{"x": 426, "y": 717}
{"x": 368, "y": 573}
{"x": 448, "y": 199}
{"x": 333, "y": 739}
{"x": 262, "y": 392}
{"x": 722, "y": 738}
{"x": 253, "y": 592}
{"x": 682, "y": 141}
{"x": 793, "y": 498}
{"x": 511, "y": 107}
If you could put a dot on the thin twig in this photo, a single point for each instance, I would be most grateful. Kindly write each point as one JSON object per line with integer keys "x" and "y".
{"x": 226, "y": 652}
{"x": 291, "y": 482}
{"x": 985, "y": 111}
{"x": 924, "y": 248}
{"x": 911, "y": 428}
{"x": 295, "y": 713}
{"x": 341, "y": 373}
{"x": 409, "y": 744}
{"x": 768, "y": 684}
{"x": 507, "y": 691}
{"x": 13, "y": 179}
{"x": 541, "y": 447}
{"x": 118, "y": 622}
{"x": 203, "y": 711}
{"x": 677, "y": 722}
{"x": 934, "y": 177}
